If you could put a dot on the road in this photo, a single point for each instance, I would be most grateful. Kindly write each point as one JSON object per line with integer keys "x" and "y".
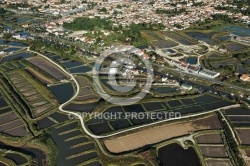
{"x": 205, "y": 88}
{"x": 119, "y": 132}
{"x": 106, "y": 136}
{"x": 80, "y": 45}
{"x": 201, "y": 77}
{"x": 75, "y": 95}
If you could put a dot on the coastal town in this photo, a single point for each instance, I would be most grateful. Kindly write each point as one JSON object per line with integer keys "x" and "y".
{"x": 172, "y": 14}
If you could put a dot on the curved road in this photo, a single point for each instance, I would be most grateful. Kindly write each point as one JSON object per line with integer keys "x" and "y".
{"x": 123, "y": 131}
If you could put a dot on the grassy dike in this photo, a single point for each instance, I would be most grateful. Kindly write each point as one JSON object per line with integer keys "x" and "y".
{"x": 231, "y": 144}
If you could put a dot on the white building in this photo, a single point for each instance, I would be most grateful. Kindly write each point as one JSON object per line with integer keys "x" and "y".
{"x": 113, "y": 70}
{"x": 208, "y": 73}
{"x": 186, "y": 86}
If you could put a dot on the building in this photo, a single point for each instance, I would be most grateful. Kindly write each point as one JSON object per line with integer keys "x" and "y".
{"x": 196, "y": 70}
{"x": 186, "y": 86}
{"x": 113, "y": 70}
{"x": 245, "y": 77}
{"x": 208, "y": 73}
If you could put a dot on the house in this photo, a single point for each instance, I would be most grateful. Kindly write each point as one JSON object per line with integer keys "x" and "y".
{"x": 164, "y": 79}
{"x": 25, "y": 25}
{"x": 245, "y": 77}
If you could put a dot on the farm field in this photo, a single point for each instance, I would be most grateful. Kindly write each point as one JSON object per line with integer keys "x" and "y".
{"x": 80, "y": 69}
{"x": 12, "y": 49}
{"x": 205, "y": 37}
{"x": 40, "y": 76}
{"x": 215, "y": 55}
{"x": 156, "y": 134}
{"x": 37, "y": 96}
{"x": 89, "y": 107}
{"x": 244, "y": 135}
{"x": 177, "y": 38}
{"x": 183, "y": 106}
{"x": 235, "y": 46}
{"x": 11, "y": 122}
{"x": 163, "y": 90}
{"x": 175, "y": 155}
{"x": 74, "y": 66}
{"x": 163, "y": 44}
{"x": 241, "y": 111}
{"x": 74, "y": 149}
{"x": 239, "y": 118}
{"x": 209, "y": 139}
{"x": 47, "y": 67}
{"x": 86, "y": 93}
{"x": 212, "y": 148}
{"x": 219, "y": 63}
{"x": 213, "y": 151}
{"x": 218, "y": 162}
{"x": 52, "y": 56}
{"x": 42, "y": 86}
{"x": 22, "y": 55}
{"x": 7, "y": 66}
{"x": 159, "y": 42}
{"x": 21, "y": 20}
{"x": 225, "y": 62}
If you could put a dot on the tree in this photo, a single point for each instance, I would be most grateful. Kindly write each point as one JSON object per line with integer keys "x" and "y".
{"x": 104, "y": 10}
{"x": 2, "y": 11}
{"x": 7, "y": 36}
{"x": 84, "y": 23}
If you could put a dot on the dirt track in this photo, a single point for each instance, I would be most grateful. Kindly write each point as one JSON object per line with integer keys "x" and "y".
{"x": 159, "y": 133}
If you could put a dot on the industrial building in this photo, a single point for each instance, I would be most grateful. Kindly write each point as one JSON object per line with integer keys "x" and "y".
{"x": 199, "y": 70}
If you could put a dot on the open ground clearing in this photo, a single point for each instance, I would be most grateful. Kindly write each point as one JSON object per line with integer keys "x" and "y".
{"x": 158, "y": 41}
{"x": 48, "y": 67}
{"x": 177, "y": 38}
{"x": 86, "y": 93}
{"x": 36, "y": 95}
{"x": 157, "y": 134}
{"x": 213, "y": 150}
{"x": 218, "y": 162}
{"x": 39, "y": 76}
{"x": 244, "y": 135}
{"x": 209, "y": 139}
{"x": 10, "y": 122}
